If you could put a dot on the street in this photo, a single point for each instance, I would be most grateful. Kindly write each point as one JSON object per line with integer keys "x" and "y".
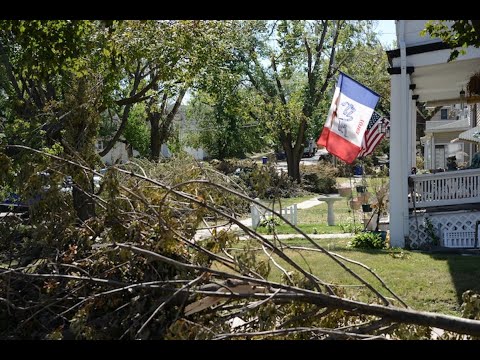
{"x": 282, "y": 165}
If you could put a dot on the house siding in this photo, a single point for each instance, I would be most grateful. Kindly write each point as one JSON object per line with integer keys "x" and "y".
{"x": 438, "y": 115}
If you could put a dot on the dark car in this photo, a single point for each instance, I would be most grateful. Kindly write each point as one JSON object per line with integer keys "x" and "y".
{"x": 13, "y": 203}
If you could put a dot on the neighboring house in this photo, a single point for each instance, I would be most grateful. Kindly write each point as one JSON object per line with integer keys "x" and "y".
{"x": 185, "y": 128}
{"x": 437, "y": 205}
{"x": 119, "y": 154}
{"x": 442, "y": 140}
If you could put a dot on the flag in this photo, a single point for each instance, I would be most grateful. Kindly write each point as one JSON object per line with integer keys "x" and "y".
{"x": 373, "y": 136}
{"x": 351, "y": 108}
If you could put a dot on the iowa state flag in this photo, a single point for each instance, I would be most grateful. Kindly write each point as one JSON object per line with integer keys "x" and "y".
{"x": 348, "y": 117}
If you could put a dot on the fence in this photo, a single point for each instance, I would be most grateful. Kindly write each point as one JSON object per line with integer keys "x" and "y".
{"x": 259, "y": 214}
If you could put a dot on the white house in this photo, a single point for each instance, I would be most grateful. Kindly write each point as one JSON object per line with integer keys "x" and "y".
{"x": 118, "y": 154}
{"x": 442, "y": 140}
{"x": 447, "y": 203}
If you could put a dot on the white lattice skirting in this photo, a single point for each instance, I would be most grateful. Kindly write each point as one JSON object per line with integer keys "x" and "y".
{"x": 454, "y": 229}
{"x": 458, "y": 239}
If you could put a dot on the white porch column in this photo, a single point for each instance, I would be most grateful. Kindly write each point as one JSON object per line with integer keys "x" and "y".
{"x": 434, "y": 161}
{"x": 428, "y": 152}
{"x": 400, "y": 114}
{"x": 413, "y": 132}
{"x": 426, "y": 148}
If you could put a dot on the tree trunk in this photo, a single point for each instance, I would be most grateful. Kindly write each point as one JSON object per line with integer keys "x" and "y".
{"x": 155, "y": 144}
{"x": 293, "y": 162}
{"x": 83, "y": 203}
{"x": 160, "y": 132}
{"x": 79, "y": 142}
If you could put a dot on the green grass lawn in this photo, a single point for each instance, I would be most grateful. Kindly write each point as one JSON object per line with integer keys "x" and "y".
{"x": 314, "y": 219}
{"x": 429, "y": 282}
{"x": 289, "y": 201}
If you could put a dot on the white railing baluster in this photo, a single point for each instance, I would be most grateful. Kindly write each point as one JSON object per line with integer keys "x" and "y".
{"x": 447, "y": 188}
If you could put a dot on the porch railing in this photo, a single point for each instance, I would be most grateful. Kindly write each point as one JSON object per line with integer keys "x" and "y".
{"x": 446, "y": 188}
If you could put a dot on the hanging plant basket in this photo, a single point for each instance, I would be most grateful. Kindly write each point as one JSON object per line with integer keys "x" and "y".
{"x": 366, "y": 208}
{"x": 473, "y": 86}
{"x": 361, "y": 188}
{"x": 355, "y": 204}
{"x": 344, "y": 192}
{"x": 363, "y": 197}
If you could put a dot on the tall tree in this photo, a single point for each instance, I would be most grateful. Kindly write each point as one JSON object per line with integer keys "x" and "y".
{"x": 111, "y": 66}
{"x": 222, "y": 123}
{"x": 165, "y": 58}
{"x": 292, "y": 65}
{"x": 137, "y": 133}
{"x": 55, "y": 74}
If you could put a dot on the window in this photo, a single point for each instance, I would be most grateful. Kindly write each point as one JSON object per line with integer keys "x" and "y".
{"x": 444, "y": 114}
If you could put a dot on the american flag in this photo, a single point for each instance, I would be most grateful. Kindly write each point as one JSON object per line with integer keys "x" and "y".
{"x": 373, "y": 135}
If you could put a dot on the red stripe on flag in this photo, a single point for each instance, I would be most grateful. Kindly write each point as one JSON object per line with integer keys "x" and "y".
{"x": 339, "y": 146}
{"x": 323, "y": 139}
{"x": 372, "y": 137}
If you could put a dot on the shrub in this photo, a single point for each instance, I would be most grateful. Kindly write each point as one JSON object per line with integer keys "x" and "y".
{"x": 368, "y": 240}
{"x": 351, "y": 228}
{"x": 270, "y": 223}
{"x": 320, "y": 178}
{"x": 419, "y": 162}
{"x": 344, "y": 169}
{"x": 262, "y": 181}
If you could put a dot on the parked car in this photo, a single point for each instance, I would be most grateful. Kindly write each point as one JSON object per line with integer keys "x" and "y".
{"x": 310, "y": 148}
{"x": 280, "y": 155}
{"x": 13, "y": 203}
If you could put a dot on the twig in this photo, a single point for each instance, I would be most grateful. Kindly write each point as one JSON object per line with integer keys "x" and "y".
{"x": 292, "y": 330}
{"x": 277, "y": 265}
{"x": 162, "y": 305}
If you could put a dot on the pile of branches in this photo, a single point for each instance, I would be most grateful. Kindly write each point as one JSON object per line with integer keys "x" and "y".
{"x": 261, "y": 180}
{"x": 137, "y": 270}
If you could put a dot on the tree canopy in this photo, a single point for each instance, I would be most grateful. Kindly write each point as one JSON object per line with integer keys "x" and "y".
{"x": 455, "y": 33}
{"x": 287, "y": 70}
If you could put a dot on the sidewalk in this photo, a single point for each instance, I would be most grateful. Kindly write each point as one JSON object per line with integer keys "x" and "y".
{"x": 205, "y": 233}
{"x": 311, "y": 236}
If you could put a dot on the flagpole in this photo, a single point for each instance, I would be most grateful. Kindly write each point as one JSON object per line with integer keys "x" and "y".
{"x": 351, "y": 199}
{"x": 363, "y": 182}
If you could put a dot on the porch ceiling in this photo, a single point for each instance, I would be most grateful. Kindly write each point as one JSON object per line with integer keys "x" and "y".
{"x": 442, "y": 82}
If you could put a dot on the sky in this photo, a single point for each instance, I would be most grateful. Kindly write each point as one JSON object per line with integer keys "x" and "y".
{"x": 386, "y": 29}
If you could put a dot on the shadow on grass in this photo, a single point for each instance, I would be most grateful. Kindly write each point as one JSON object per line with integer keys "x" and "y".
{"x": 464, "y": 270}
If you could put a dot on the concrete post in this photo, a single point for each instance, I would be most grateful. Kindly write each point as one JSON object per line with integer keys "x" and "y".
{"x": 254, "y": 215}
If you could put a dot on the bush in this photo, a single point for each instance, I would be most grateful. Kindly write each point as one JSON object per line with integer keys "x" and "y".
{"x": 420, "y": 163}
{"x": 368, "y": 240}
{"x": 344, "y": 169}
{"x": 320, "y": 178}
{"x": 262, "y": 181}
{"x": 270, "y": 223}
